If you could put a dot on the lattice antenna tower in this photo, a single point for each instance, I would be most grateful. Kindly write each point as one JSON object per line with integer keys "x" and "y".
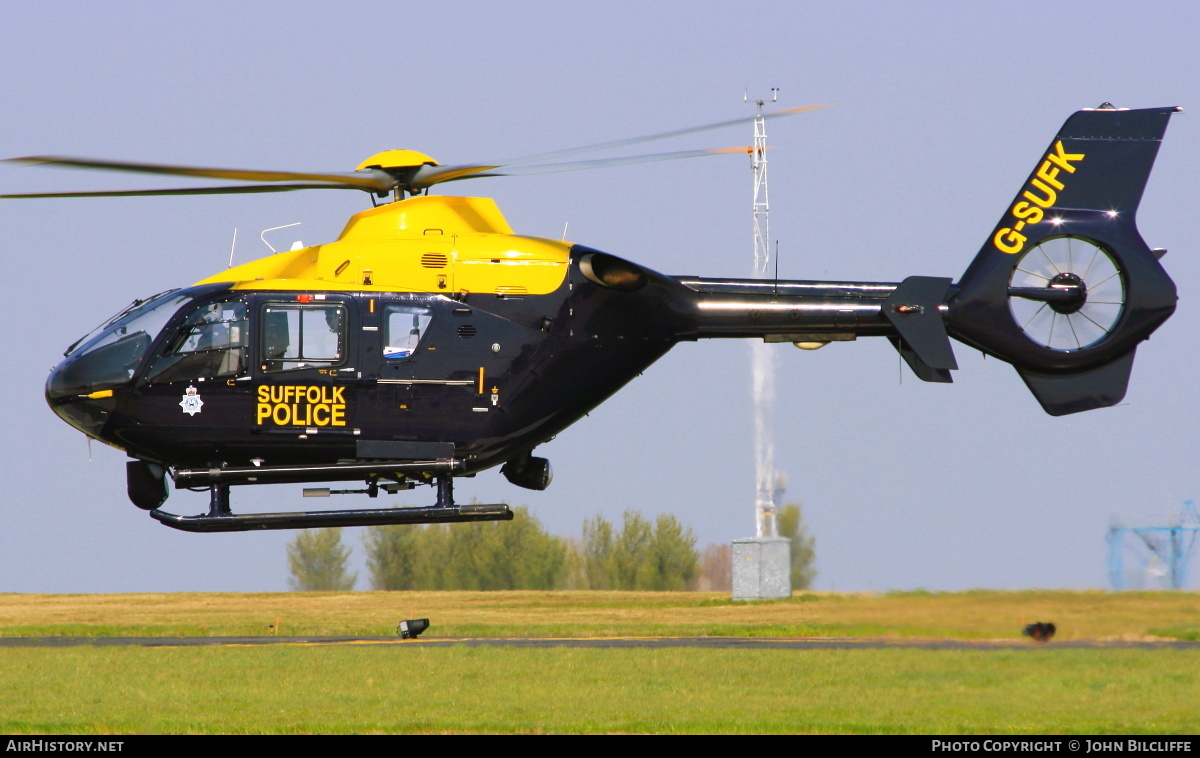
{"x": 762, "y": 207}
{"x": 767, "y": 490}
{"x": 1153, "y": 557}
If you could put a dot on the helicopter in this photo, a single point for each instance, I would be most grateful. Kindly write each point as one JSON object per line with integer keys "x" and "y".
{"x": 430, "y": 341}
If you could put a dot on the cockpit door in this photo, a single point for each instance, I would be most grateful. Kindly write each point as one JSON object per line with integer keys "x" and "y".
{"x": 306, "y": 369}
{"x": 192, "y": 401}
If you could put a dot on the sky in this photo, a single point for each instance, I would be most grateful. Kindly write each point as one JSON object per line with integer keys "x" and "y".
{"x": 943, "y": 108}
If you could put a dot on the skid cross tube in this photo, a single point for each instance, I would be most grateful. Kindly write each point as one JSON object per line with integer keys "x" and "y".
{"x": 334, "y": 472}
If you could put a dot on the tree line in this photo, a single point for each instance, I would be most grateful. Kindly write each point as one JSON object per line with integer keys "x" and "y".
{"x": 637, "y": 554}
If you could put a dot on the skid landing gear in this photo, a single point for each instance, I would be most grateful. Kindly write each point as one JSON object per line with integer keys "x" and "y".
{"x": 220, "y": 518}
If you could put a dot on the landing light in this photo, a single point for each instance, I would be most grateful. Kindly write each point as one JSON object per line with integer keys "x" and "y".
{"x": 410, "y": 629}
{"x": 1110, "y": 214}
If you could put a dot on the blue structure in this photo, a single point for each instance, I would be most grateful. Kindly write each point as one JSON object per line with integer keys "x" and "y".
{"x": 1153, "y": 557}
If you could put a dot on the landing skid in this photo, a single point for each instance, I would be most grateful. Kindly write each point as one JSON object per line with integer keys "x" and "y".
{"x": 221, "y": 519}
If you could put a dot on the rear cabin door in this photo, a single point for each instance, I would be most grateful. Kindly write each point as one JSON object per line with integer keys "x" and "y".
{"x": 401, "y": 356}
{"x": 440, "y": 367}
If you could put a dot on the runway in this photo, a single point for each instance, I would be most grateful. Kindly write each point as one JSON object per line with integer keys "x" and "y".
{"x": 733, "y": 643}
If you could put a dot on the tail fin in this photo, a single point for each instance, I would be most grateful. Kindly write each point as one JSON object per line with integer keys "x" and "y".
{"x": 1065, "y": 288}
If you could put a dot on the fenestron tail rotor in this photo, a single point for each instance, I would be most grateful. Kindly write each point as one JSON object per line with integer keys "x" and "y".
{"x": 1067, "y": 293}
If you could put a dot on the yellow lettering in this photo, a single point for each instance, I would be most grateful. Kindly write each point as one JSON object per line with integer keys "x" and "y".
{"x": 1008, "y": 241}
{"x": 1042, "y": 192}
{"x": 1030, "y": 213}
{"x": 1063, "y": 159}
{"x": 1050, "y": 175}
{"x": 1046, "y": 201}
{"x": 317, "y": 418}
{"x": 301, "y": 405}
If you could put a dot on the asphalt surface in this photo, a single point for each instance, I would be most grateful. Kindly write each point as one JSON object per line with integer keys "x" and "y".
{"x": 742, "y": 643}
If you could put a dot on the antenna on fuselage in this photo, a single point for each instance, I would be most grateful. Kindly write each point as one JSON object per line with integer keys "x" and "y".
{"x": 263, "y": 235}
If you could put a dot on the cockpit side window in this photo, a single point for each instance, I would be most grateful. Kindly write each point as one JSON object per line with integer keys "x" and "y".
{"x": 404, "y": 325}
{"x": 211, "y": 343}
{"x": 302, "y": 336}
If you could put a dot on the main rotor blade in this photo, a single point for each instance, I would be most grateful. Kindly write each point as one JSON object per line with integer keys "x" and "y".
{"x": 664, "y": 135}
{"x": 232, "y": 190}
{"x": 429, "y": 176}
{"x": 377, "y": 180}
{"x": 372, "y": 180}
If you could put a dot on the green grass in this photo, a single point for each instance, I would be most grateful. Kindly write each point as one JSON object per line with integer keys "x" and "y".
{"x": 414, "y": 689}
{"x": 1185, "y": 633}
{"x": 411, "y": 688}
{"x": 964, "y": 615}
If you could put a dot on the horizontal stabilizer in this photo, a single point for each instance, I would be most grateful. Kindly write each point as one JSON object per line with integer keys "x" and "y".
{"x": 1100, "y": 387}
{"x": 915, "y": 309}
{"x": 923, "y": 370}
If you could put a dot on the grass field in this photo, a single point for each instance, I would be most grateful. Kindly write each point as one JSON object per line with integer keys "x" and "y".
{"x": 415, "y": 689}
{"x": 963, "y": 615}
